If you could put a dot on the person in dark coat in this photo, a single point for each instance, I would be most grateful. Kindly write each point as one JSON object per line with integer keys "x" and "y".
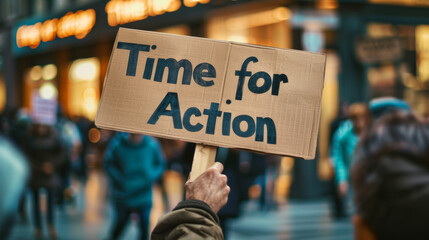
{"x": 133, "y": 163}
{"x": 391, "y": 179}
{"x": 47, "y": 155}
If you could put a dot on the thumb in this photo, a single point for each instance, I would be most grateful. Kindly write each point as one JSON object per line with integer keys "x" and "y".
{"x": 218, "y": 166}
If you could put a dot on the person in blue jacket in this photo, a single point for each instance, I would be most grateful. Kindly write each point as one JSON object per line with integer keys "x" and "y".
{"x": 344, "y": 143}
{"x": 133, "y": 162}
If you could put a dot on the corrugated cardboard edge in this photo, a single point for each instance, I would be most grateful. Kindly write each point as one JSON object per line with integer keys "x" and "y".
{"x": 315, "y": 129}
{"x": 188, "y": 139}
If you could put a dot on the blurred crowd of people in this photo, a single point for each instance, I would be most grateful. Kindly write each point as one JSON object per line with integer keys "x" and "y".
{"x": 380, "y": 154}
{"x": 54, "y": 154}
{"x": 345, "y": 133}
{"x": 46, "y": 157}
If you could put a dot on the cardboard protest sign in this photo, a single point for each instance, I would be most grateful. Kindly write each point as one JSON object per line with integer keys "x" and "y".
{"x": 213, "y": 92}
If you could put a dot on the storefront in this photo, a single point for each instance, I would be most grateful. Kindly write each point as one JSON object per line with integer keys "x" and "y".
{"x": 407, "y": 76}
{"x": 389, "y": 56}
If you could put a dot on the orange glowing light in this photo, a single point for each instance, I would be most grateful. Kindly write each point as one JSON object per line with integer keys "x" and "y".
{"x": 122, "y": 12}
{"x": 193, "y": 3}
{"x": 28, "y": 36}
{"x": 77, "y": 24}
{"x": 48, "y": 30}
{"x": 94, "y": 135}
{"x": 161, "y": 6}
{"x": 327, "y": 4}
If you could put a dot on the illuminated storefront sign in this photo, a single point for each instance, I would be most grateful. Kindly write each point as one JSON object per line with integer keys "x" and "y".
{"x": 402, "y": 2}
{"x": 121, "y": 12}
{"x": 80, "y": 23}
{"x": 77, "y": 24}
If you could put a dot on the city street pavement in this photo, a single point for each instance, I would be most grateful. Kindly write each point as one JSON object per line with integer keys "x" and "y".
{"x": 90, "y": 216}
{"x": 300, "y": 220}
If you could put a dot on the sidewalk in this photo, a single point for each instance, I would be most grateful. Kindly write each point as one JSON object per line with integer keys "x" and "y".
{"x": 90, "y": 217}
{"x": 299, "y": 220}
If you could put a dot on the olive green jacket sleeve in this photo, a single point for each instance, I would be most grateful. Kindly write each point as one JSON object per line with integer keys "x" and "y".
{"x": 191, "y": 219}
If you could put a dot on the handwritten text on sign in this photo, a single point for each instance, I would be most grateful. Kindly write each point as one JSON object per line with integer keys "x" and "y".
{"x": 213, "y": 92}
{"x": 203, "y": 75}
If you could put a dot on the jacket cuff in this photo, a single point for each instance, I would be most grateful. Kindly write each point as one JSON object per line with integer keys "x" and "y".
{"x": 194, "y": 203}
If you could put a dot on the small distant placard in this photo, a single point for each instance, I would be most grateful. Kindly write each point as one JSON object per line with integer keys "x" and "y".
{"x": 213, "y": 92}
{"x": 376, "y": 50}
{"x": 43, "y": 111}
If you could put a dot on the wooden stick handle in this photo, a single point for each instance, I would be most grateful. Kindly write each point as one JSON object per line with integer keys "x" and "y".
{"x": 204, "y": 158}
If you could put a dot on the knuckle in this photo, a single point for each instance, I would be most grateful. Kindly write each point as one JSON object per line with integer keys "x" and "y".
{"x": 223, "y": 179}
{"x": 227, "y": 189}
{"x": 211, "y": 171}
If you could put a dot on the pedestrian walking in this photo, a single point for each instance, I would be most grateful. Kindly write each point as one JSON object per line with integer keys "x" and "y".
{"x": 70, "y": 136}
{"x": 338, "y": 210}
{"x": 47, "y": 156}
{"x": 133, "y": 163}
{"x": 344, "y": 143}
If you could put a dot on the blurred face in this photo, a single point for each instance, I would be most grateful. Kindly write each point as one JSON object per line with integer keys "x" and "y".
{"x": 136, "y": 138}
{"x": 360, "y": 122}
{"x": 42, "y": 130}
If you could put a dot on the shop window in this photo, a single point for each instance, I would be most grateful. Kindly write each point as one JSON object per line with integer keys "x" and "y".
{"x": 40, "y": 83}
{"x": 422, "y": 49}
{"x": 263, "y": 27}
{"x": 417, "y": 94}
{"x": 382, "y": 76}
{"x": 386, "y": 77}
{"x": 83, "y": 88}
{"x": 379, "y": 30}
{"x": 181, "y": 29}
{"x": 407, "y": 77}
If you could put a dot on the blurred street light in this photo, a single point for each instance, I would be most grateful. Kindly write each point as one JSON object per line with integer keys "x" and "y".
{"x": 48, "y": 91}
